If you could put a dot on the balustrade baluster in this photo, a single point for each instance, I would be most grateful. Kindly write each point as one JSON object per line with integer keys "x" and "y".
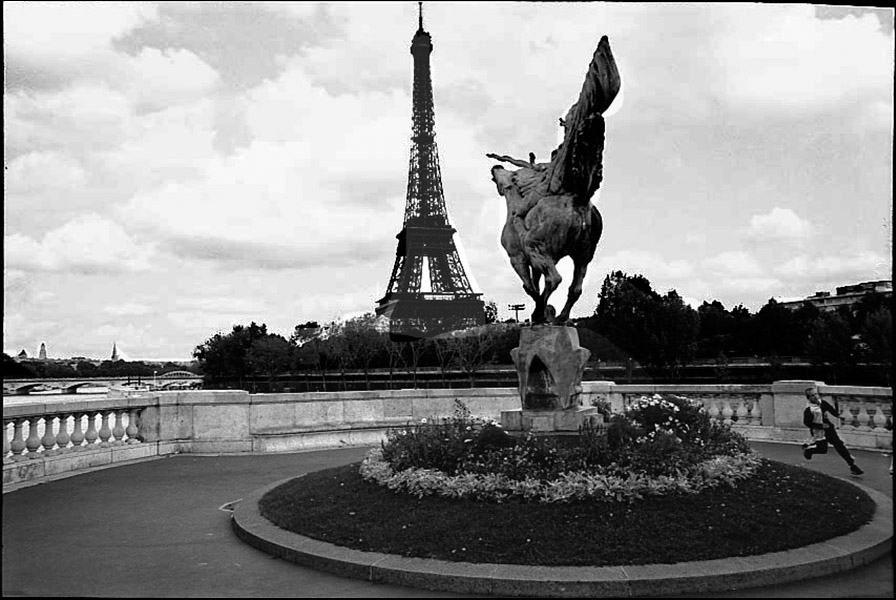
{"x": 713, "y": 410}
{"x": 77, "y": 437}
{"x": 18, "y": 440}
{"x": 92, "y": 434}
{"x": 863, "y": 418}
{"x": 742, "y": 412}
{"x": 33, "y": 441}
{"x": 6, "y": 444}
{"x": 49, "y": 438}
{"x": 62, "y": 436}
{"x": 878, "y": 420}
{"x": 118, "y": 430}
{"x": 847, "y": 419}
{"x": 755, "y": 413}
{"x": 132, "y": 429}
{"x": 105, "y": 431}
{"x": 887, "y": 412}
{"x": 727, "y": 413}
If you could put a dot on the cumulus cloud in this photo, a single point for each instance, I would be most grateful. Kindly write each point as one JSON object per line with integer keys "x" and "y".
{"x": 785, "y": 57}
{"x": 779, "y": 224}
{"x": 44, "y": 171}
{"x": 644, "y": 262}
{"x": 57, "y": 31}
{"x": 88, "y": 244}
{"x": 156, "y": 79}
{"x": 734, "y": 263}
{"x": 840, "y": 267}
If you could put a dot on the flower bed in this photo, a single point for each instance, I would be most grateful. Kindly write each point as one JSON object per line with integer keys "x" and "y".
{"x": 658, "y": 446}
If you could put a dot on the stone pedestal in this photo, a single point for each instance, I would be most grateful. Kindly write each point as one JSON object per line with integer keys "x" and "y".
{"x": 549, "y": 364}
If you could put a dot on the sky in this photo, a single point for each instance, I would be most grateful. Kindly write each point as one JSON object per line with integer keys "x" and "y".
{"x": 174, "y": 169}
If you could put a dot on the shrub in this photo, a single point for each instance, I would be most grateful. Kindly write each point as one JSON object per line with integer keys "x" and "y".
{"x": 658, "y": 444}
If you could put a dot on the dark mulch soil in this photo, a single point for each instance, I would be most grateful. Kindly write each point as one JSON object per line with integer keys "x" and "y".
{"x": 781, "y": 507}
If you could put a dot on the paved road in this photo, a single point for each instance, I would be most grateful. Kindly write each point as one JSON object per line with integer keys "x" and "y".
{"x": 156, "y": 529}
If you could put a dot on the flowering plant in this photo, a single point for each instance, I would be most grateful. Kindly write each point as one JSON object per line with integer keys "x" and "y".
{"x": 656, "y": 446}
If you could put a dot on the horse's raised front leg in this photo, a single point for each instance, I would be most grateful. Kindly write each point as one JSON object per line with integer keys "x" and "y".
{"x": 575, "y": 290}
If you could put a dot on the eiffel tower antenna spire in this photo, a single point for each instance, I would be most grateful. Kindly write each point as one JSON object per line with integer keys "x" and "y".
{"x": 416, "y": 308}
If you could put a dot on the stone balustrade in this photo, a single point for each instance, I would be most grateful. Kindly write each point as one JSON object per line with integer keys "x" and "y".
{"x": 53, "y": 438}
{"x": 773, "y": 412}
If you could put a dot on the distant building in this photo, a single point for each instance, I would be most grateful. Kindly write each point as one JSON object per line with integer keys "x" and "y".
{"x": 846, "y": 295}
{"x": 114, "y": 352}
{"x": 22, "y": 354}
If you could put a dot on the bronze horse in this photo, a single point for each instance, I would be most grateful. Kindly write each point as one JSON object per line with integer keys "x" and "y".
{"x": 549, "y": 210}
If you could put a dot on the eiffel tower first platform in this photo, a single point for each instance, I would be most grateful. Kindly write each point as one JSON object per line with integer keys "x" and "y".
{"x": 426, "y": 252}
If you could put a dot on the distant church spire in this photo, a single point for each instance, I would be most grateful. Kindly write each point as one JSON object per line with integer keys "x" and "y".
{"x": 114, "y": 351}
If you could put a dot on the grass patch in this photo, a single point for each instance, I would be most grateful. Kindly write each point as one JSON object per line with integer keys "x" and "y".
{"x": 781, "y": 507}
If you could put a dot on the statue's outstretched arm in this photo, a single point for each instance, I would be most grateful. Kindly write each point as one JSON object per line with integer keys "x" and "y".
{"x": 510, "y": 159}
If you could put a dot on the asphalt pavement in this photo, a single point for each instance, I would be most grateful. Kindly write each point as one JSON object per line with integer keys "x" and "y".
{"x": 161, "y": 528}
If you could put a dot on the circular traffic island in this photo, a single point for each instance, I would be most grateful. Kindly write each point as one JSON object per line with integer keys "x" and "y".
{"x": 781, "y": 507}
{"x": 460, "y": 506}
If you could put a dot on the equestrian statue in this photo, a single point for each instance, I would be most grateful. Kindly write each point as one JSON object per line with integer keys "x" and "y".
{"x": 549, "y": 209}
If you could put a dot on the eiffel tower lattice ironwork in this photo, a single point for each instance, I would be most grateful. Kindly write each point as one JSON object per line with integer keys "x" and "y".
{"x": 426, "y": 251}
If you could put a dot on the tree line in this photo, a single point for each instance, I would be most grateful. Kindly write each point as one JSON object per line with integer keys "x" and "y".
{"x": 663, "y": 332}
{"x": 56, "y": 369}
{"x": 631, "y": 322}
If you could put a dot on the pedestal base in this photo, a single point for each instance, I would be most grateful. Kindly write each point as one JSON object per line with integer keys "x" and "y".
{"x": 549, "y": 421}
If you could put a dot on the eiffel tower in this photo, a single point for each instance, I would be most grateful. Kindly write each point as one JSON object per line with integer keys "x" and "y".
{"x": 426, "y": 252}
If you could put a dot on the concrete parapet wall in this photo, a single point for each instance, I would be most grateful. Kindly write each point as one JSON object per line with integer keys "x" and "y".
{"x": 234, "y": 421}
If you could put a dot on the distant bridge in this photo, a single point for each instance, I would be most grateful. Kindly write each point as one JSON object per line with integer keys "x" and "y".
{"x": 172, "y": 380}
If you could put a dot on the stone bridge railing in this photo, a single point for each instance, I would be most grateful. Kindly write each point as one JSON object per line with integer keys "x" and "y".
{"x": 774, "y": 412}
{"x": 50, "y": 439}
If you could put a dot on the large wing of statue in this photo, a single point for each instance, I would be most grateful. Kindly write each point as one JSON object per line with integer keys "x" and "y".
{"x": 577, "y": 167}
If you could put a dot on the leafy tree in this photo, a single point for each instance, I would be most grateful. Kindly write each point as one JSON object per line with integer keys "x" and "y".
{"x": 86, "y": 369}
{"x": 779, "y": 333}
{"x": 876, "y": 335}
{"x": 831, "y": 344}
{"x": 675, "y": 326}
{"x": 360, "y": 343}
{"x": 224, "y": 356}
{"x": 491, "y": 312}
{"x": 15, "y": 370}
{"x": 658, "y": 330}
{"x": 443, "y": 350}
{"x": 623, "y": 312}
{"x": 269, "y": 355}
{"x": 469, "y": 350}
{"x": 716, "y": 329}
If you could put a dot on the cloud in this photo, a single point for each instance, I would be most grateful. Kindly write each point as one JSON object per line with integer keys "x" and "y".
{"x": 644, "y": 263}
{"x": 779, "y": 224}
{"x": 78, "y": 119}
{"x": 156, "y": 79}
{"x": 862, "y": 265}
{"x": 44, "y": 171}
{"x": 49, "y": 45}
{"x": 88, "y": 244}
{"x": 774, "y": 57}
{"x": 61, "y": 31}
{"x": 734, "y": 263}
{"x": 131, "y": 309}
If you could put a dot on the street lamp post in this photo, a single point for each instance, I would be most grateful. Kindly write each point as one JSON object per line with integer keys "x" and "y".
{"x": 154, "y": 379}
